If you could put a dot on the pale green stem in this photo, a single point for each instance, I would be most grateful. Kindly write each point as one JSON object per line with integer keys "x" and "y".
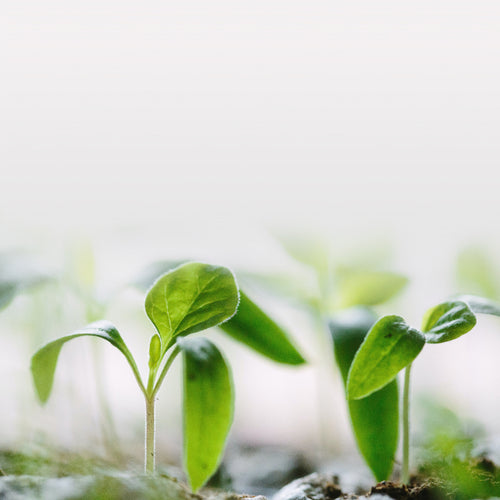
{"x": 165, "y": 370}
{"x": 149, "y": 447}
{"x": 405, "y": 471}
{"x": 150, "y": 398}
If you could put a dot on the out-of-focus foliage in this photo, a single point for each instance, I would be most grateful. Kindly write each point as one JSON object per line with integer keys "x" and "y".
{"x": 447, "y": 454}
{"x": 18, "y": 273}
{"x": 477, "y": 274}
{"x": 341, "y": 283}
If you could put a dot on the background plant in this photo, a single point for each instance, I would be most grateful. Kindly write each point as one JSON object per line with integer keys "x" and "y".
{"x": 339, "y": 301}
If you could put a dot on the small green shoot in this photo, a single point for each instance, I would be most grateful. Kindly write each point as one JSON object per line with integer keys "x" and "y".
{"x": 185, "y": 300}
{"x": 251, "y": 325}
{"x": 392, "y": 345}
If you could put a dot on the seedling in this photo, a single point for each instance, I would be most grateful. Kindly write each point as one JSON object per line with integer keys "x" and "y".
{"x": 392, "y": 345}
{"x": 251, "y": 325}
{"x": 186, "y": 300}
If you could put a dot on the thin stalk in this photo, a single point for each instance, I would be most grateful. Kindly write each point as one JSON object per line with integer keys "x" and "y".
{"x": 405, "y": 471}
{"x": 149, "y": 445}
{"x": 165, "y": 370}
{"x": 150, "y": 398}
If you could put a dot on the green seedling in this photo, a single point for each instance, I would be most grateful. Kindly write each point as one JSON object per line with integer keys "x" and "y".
{"x": 392, "y": 345}
{"x": 251, "y": 325}
{"x": 186, "y": 300}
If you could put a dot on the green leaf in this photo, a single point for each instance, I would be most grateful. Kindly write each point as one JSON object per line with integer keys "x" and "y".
{"x": 208, "y": 408}
{"x": 374, "y": 419}
{"x": 389, "y": 346}
{"x": 447, "y": 321}
{"x": 252, "y": 326}
{"x": 191, "y": 298}
{"x": 154, "y": 351}
{"x": 44, "y": 361}
{"x": 369, "y": 288}
{"x": 476, "y": 272}
{"x": 481, "y": 305}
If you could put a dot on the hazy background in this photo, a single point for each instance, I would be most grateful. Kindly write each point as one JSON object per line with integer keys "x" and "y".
{"x": 165, "y": 129}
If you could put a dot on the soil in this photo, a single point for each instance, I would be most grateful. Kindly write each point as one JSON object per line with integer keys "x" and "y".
{"x": 45, "y": 478}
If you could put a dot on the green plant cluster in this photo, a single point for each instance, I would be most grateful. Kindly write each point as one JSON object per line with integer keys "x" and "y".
{"x": 184, "y": 298}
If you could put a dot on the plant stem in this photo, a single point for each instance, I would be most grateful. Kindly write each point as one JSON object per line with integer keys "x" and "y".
{"x": 163, "y": 373}
{"x": 149, "y": 459}
{"x": 405, "y": 471}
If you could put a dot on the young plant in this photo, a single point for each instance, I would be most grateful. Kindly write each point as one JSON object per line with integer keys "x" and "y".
{"x": 251, "y": 325}
{"x": 392, "y": 345}
{"x": 185, "y": 300}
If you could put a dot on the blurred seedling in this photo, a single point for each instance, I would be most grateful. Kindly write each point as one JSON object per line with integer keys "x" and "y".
{"x": 339, "y": 301}
{"x": 18, "y": 274}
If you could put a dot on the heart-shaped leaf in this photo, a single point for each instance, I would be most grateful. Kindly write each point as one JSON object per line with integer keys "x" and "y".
{"x": 191, "y": 298}
{"x": 44, "y": 361}
{"x": 374, "y": 419}
{"x": 208, "y": 408}
{"x": 390, "y": 346}
{"x": 252, "y": 326}
{"x": 447, "y": 321}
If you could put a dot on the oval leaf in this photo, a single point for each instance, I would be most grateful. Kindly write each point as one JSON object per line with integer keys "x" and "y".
{"x": 191, "y": 298}
{"x": 44, "y": 361}
{"x": 208, "y": 408}
{"x": 369, "y": 288}
{"x": 390, "y": 346}
{"x": 374, "y": 419}
{"x": 252, "y": 326}
{"x": 447, "y": 321}
{"x": 481, "y": 305}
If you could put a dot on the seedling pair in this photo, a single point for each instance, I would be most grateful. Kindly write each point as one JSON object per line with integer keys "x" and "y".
{"x": 185, "y": 300}
{"x": 392, "y": 345}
